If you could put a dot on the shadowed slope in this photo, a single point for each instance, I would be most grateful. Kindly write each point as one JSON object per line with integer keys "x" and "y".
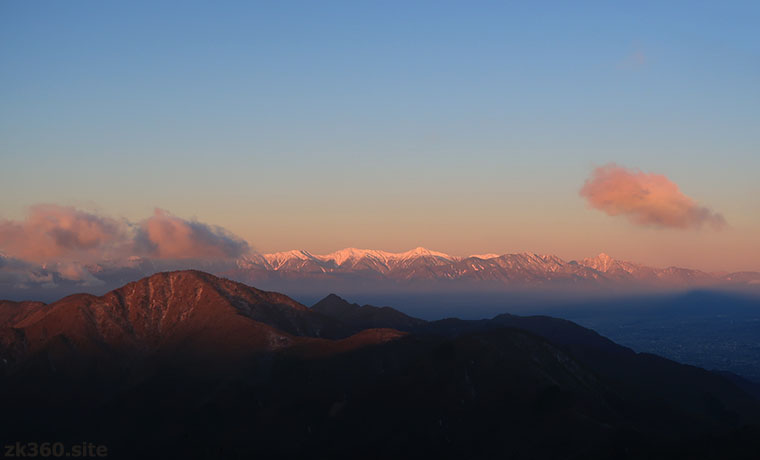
{"x": 365, "y": 317}
{"x": 185, "y": 364}
{"x": 167, "y": 313}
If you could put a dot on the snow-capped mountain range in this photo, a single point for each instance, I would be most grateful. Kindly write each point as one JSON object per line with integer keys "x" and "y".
{"x": 346, "y": 258}
{"x": 423, "y": 264}
{"x": 367, "y": 270}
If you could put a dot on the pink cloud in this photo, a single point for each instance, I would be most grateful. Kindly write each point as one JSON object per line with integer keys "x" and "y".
{"x": 60, "y": 233}
{"x": 53, "y": 232}
{"x": 166, "y": 236}
{"x": 646, "y": 199}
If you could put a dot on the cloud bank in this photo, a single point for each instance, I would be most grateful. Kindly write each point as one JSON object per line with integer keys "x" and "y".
{"x": 60, "y": 233}
{"x": 53, "y": 232}
{"x": 646, "y": 199}
{"x": 61, "y": 248}
{"x": 165, "y": 236}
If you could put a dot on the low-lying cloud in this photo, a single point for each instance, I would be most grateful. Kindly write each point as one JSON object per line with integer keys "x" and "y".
{"x": 165, "y": 236}
{"x": 52, "y": 233}
{"x": 56, "y": 250}
{"x": 646, "y": 199}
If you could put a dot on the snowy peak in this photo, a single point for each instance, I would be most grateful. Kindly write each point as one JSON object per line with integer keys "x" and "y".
{"x": 601, "y": 262}
{"x": 484, "y": 256}
{"x": 354, "y": 254}
{"x": 605, "y": 264}
{"x": 278, "y": 259}
{"x": 422, "y": 252}
{"x": 350, "y": 257}
{"x": 526, "y": 268}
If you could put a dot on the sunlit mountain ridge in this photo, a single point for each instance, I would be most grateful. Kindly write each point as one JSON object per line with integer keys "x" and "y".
{"x": 511, "y": 269}
{"x": 365, "y": 270}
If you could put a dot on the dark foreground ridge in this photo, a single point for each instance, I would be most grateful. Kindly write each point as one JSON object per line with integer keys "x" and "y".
{"x": 188, "y": 365}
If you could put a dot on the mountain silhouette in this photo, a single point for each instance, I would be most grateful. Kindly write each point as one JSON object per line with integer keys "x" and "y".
{"x": 189, "y": 365}
{"x": 366, "y": 316}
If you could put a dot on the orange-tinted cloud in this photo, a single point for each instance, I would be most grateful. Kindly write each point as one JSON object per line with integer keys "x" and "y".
{"x": 646, "y": 199}
{"x": 52, "y": 232}
{"x": 59, "y": 233}
{"x": 166, "y": 236}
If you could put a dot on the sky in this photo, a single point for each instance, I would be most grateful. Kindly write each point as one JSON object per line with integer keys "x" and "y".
{"x": 570, "y": 128}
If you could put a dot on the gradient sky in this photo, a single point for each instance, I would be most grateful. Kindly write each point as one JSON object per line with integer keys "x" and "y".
{"x": 465, "y": 127}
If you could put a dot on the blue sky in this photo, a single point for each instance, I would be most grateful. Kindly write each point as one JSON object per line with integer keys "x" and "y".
{"x": 463, "y": 126}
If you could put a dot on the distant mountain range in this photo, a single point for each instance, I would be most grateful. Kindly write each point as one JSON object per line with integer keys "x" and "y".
{"x": 363, "y": 271}
{"x": 186, "y": 364}
{"x": 523, "y": 269}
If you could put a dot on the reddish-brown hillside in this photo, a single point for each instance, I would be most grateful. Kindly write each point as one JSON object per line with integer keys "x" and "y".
{"x": 170, "y": 313}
